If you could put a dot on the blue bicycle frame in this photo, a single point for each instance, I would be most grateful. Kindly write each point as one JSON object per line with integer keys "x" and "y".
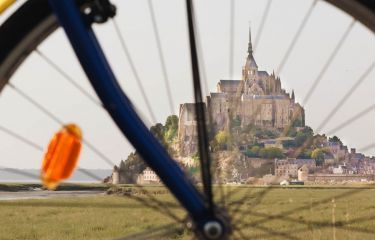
{"x": 97, "y": 69}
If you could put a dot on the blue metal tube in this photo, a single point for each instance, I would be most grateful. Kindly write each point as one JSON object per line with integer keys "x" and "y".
{"x": 97, "y": 69}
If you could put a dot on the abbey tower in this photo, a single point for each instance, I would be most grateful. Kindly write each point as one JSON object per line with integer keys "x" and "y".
{"x": 256, "y": 99}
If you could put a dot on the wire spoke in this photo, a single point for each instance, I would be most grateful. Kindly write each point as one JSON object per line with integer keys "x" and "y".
{"x": 231, "y": 37}
{"x": 270, "y": 231}
{"x": 158, "y": 207}
{"x": 329, "y": 61}
{"x": 241, "y": 202}
{"x": 346, "y": 97}
{"x": 36, "y": 104}
{"x": 60, "y": 122}
{"x": 258, "y": 199}
{"x": 352, "y": 119}
{"x": 37, "y": 177}
{"x": 67, "y": 77}
{"x": 161, "y": 206}
{"x": 291, "y": 211}
{"x": 309, "y": 139}
{"x": 90, "y": 174}
{"x": 370, "y": 146}
{"x": 262, "y": 23}
{"x": 97, "y": 152}
{"x": 219, "y": 180}
{"x": 150, "y": 202}
{"x": 151, "y": 233}
{"x": 21, "y": 138}
{"x": 199, "y": 109}
{"x": 335, "y": 129}
{"x": 296, "y": 37}
{"x": 161, "y": 55}
{"x": 309, "y": 224}
{"x": 240, "y": 233}
{"x": 19, "y": 172}
{"x": 320, "y": 224}
{"x": 202, "y": 68}
{"x": 134, "y": 70}
{"x": 40, "y": 149}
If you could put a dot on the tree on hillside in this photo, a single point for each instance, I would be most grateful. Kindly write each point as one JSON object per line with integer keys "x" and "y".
{"x": 222, "y": 140}
{"x": 289, "y": 143}
{"x": 335, "y": 139}
{"x": 131, "y": 167}
{"x": 248, "y": 128}
{"x": 171, "y": 128}
{"x": 263, "y": 133}
{"x": 318, "y": 154}
{"x": 304, "y": 154}
{"x": 122, "y": 164}
{"x": 304, "y": 136}
{"x": 271, "y": 152}
{"x": 158, "y": 131}
{"x": 236, "y": 122}
{"x": 297, "y": 123}
{"x": 308, "y": 130}
{"x": 253, "y": 151}
{"x": 292, "y": 132}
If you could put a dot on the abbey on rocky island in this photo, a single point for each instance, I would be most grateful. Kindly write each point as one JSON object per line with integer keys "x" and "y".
{"x": 257, "y": 99}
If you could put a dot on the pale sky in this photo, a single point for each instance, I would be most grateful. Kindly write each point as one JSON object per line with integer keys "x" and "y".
{"x": 322, "y": 33}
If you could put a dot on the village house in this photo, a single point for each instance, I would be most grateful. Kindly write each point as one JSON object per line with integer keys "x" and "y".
{"x": 272, "y": 143}
{"x": 289, "y": 167}
{"x": 338, "y": 151}
{"x": 341, "y": 169}
{"x": 286, "y": 167}
{"x": 148, "y": 177}
{"x": 303, "y": 173}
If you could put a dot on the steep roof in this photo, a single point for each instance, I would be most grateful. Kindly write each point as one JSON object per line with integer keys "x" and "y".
{"x": 263, "y": 74}
{"x": 216, "y": 95}
{"x": 229, "y": 82}
{"x": 270, "y": 97}
{"x": 250, "y": 62}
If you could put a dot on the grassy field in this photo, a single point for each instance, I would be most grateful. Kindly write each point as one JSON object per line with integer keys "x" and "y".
{"x": 257, "y": 213}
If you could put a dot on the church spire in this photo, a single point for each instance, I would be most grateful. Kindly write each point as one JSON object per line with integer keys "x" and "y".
{"x": 250, "y": 70}
{"x": 250, "y": 45}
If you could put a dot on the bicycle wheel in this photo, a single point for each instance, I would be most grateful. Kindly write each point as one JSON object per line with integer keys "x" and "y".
{"x": 34, "y": 23}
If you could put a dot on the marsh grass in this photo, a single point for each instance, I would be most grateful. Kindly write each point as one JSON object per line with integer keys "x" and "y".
{"x": 259, "y": 213}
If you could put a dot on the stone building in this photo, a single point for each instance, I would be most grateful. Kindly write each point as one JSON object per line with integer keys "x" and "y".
{"x": 286, "y": 167}
{"x": 115, "y": 175}
{"x": 148, "y": 176}
{"x": 256, "y": 99}
{"x": 303, "y": 173}
{"x": 338, "y": 151}
{"x": 187, "y": 130}
{"x": 294, "y": 167}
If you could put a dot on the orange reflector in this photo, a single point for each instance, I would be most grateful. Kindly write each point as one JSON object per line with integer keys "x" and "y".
{"x": 62, "y": 155}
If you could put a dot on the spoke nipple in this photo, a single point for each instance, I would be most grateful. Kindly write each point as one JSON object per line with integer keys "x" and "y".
{"x": 189, "y": 225}
{"x": 98, "y": 18}
{"x": 213, "y": 230}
